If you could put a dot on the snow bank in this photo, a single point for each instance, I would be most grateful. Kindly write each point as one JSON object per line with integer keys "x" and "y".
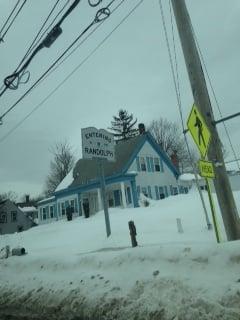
{"x": 73, "y": 271}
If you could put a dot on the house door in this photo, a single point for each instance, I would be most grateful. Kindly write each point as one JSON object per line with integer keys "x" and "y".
{"x": 117, "y": 201}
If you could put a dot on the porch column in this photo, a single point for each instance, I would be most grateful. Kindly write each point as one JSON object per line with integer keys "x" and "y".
{"x": 134, "y": 194}
{"x": 124, "y": 201}
{"x": 79, "y": 206}
{"x": 100, "y": 206}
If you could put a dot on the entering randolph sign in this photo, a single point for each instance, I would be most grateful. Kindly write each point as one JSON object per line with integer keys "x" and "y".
{"x": 97, "y": 144}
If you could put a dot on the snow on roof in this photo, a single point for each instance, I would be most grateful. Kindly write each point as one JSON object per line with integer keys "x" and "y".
{"x": 188, "y": 177}
{"x": 28, "y": 209}
{"x": 47, "y": 199}
{"x": 232, "y": 166}
{"x": 66, "y": 181}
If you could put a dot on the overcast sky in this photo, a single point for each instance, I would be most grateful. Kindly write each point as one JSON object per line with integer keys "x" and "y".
{"x": 130, "y": 70}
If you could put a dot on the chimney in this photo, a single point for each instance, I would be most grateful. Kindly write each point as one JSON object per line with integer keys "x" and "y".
{"x": 141, "y": 128}
{"x": 174, "y": 159}
{"x": 27, "y": 198}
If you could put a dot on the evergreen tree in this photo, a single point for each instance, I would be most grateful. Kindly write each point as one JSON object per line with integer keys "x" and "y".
{"x": 123, "y": 126}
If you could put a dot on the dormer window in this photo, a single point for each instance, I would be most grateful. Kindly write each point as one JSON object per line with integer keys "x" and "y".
{"x": 156, "y": 164}
{"x": 143, "y": 164}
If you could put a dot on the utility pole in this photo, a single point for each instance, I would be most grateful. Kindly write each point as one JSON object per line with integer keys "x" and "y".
{"x": 202, "y": 100}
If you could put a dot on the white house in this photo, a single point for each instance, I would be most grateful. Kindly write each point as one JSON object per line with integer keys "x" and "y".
{"x": 141, "y": 166}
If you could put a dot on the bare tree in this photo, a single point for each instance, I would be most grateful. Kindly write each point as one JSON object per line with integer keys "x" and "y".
{"x": 10, "y": 195}
{"x": 168, "y": 135}
{"x": 62, "y": 163}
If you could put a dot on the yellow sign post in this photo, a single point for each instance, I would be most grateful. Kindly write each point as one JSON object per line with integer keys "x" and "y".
{"x": 199, "y": 130}
{"x": 206, "y": 169}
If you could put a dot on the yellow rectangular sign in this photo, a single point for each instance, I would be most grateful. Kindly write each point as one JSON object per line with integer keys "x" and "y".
{"x": 206, "y": 169}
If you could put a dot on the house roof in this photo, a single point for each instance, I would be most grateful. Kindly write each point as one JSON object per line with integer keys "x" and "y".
{"x": 86, "y": 171}
{"x": 2, "y": 202}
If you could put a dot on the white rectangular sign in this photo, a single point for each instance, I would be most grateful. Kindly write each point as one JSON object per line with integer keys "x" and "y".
{"x": 97, "y": 144}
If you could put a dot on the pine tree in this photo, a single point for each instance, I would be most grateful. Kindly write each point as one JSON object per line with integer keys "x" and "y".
{"x": 123, "y": 126}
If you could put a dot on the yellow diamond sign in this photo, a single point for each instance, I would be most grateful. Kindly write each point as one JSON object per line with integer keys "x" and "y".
{"x": 206, "y": 169}
{"x": 199, "y": 130}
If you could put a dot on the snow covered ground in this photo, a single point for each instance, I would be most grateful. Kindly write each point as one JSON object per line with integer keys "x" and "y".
{"x": 73, "y": 271}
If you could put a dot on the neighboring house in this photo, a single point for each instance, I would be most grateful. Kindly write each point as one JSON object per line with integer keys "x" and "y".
{"x": 29, "y": 207}
{"x": 187, "y": 180}
{"x": 141, "y": 166}
{"x": 233, "y": 174}
{"x": 12, "y": 219}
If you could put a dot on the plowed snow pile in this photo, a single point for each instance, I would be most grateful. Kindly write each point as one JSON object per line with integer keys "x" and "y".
{"x": 73, "y": 271}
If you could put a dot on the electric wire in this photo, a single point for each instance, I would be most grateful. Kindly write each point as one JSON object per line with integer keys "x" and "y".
{"x": 215, "y": 97}
{"x": 34, "y": 44}
{"x": 74, "y": 70}
{"x": 69, "y": 54}
{"x": 49, "y": 26}
{"x": 47, "y": 42}
{"x": 4, "y": 87}
{"x": 14, "y": 18}
{"x": 9, "y": 17}
{"x": 37, "y": 35}
{"x": 101, "y": 15}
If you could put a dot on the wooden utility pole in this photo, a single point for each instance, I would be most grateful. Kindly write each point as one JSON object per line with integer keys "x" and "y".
{"x": 202, "y": 100}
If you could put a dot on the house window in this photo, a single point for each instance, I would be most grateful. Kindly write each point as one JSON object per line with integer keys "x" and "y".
{"x": 175, "y": 191}
{"x": 13, "y": 216}
{"x": 63, "y": 208}
{"x": 142, "y": 164}
{"x": 3, "y": 217}
{"x": 138, "y": 164}
{"x": 129, "y": 197}
{"x": 148, "y": 165}
{"x": 156, "y": 164}
{"x": 157, "y": 192}
{"x": 166, "y": 191}
{"x": 152, "y": 164}
{"x": 117, "y": 199}
{"x": 149, "y": 192}
{"x": 44, "y": 215}
{"x": 161, "y": 193}
{"x": 110, "y": 202}
{"x": 51, "y": 212}
{"x": 144, "y": 191}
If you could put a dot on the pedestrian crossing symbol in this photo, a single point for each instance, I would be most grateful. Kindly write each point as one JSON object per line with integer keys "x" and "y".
{"x": 199, "y": 130}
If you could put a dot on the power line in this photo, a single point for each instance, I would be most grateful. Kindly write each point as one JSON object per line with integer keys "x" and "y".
{"x": 40, "y": 30}
{"x": 73, "y": 71}
{"x": 4, "y": 87}
{"x": 2, "y": 37}
{"x": 49, "y": 26}
{"x": 47, "y": 42}
{"x": 101, "y": 15}
{"x": 9, "y": 17}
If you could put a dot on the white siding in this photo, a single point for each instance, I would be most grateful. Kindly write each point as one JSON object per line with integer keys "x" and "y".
{"x": 156, "y": 178}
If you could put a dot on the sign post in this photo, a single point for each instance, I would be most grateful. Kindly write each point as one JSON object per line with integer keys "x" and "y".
{"x": 99, "y": 144}
{"x": 202, "y": 136}
{"x": 103, "y": 196}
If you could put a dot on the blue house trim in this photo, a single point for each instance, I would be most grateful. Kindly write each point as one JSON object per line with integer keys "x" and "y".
{"x": 148, "y": 137}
